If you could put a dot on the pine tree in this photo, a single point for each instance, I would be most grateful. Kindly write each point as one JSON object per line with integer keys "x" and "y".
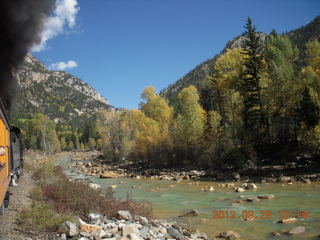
{"x": 308, "y": 111}
{"x": 252, "y": 46}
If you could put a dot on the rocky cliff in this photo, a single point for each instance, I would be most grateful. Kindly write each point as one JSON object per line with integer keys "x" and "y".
{"x": 58, "y": 94}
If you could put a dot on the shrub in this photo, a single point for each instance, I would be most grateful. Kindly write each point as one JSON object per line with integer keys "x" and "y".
{"x": 41, "y": 216}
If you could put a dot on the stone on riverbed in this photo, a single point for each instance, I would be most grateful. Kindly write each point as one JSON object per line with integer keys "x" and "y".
{"x": 296, "y": 231}
{"x": 269, "y": 196}
{"x": 251, "y": 186}
{"x": 239, "y": 189}
{"x": 108, "y": 174}
{"x": 199, "y": 235}
{"x": 229, "y": 235}
{"x": 288, "y": 220}
{"x": 191, "y": 213}
{"x": 252, "y": 199}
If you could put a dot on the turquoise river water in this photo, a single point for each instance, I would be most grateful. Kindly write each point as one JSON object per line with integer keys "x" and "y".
{"x": 172, "y": 198}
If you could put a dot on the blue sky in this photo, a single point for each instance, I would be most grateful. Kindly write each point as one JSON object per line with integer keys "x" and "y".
{"x": 121, "y": 46}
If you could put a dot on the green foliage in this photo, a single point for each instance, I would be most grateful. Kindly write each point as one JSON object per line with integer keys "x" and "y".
{"x": 41, "y": 217}
{"x": 190, "y": 123}
{"x": 252, "y": 46}
{"x": 282, "y": 88}
{"x": 39, "y": 133}
{"x": 308, "y": 111}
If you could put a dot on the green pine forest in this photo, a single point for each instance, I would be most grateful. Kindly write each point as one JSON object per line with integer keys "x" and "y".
{"x": 260, "y": 101}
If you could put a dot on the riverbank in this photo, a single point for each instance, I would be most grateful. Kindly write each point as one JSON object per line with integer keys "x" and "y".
{"x": 305, "y": 169}
{"x": 171, "y": 198}
{"x": 64, "y": 208}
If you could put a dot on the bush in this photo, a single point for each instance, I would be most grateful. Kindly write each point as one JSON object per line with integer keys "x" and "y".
{"x": 80, "y": 199}
{"x": 40, "y": 217}
{"x": 77, "y": 198}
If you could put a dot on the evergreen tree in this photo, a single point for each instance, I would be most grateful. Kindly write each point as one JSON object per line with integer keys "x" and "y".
{"x": 252, "y": 46}
{"x": 308, "y": 111}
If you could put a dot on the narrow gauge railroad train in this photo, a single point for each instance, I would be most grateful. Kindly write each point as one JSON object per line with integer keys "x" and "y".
{"x": 11, "y": 157}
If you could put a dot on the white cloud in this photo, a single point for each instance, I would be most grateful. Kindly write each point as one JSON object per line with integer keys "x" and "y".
{"x": 63, "y": 66}
{"x": 64, "y": 14}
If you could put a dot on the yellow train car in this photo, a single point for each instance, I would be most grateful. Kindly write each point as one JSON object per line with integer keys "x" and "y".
{"x": 5, "y": 157}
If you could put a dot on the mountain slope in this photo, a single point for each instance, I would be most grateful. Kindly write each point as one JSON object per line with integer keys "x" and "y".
{"x": 58, "y": 94}
{"x": 198, "y": 75}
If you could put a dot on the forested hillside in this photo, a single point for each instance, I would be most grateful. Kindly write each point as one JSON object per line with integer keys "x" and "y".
{"x": 255, "y": 101}
{"x": 198, "y": 75}
{"x": 55, "y": 108}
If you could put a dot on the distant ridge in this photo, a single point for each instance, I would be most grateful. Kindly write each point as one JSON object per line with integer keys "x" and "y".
{"x": 197, "y": 76}
{"x": 57, "y": 94}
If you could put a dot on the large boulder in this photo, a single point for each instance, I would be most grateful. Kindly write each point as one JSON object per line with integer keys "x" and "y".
{"x": 126, "y": 215}
{"x": 129, "y": 230}
{"x": 108, "y": 174}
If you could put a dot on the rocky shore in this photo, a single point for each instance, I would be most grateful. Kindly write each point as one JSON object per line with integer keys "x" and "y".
{"x": 139, "y": 227}
{"x": 126, "y": 226}
{"x": 92, "y": 164}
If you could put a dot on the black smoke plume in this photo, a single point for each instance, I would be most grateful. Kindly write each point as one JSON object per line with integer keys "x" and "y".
{"x": 21, "y": 23}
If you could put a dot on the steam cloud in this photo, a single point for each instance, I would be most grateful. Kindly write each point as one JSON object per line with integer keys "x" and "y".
{"x": 21, "y": 24}
{"x": 64, "y": 14}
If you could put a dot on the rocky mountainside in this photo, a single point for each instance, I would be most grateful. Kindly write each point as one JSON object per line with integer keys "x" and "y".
{"x": 198, "y": 75}
{"x": 58, "y": 94}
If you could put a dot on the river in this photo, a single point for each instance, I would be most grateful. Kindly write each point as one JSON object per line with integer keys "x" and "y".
{"x": 169, "y": 199}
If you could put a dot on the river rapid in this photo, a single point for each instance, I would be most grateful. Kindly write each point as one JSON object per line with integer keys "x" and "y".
{"x": 169, "y": 199}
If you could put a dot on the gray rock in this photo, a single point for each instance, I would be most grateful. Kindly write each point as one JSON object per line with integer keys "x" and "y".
{"x": 252, "y": 199}
{"x": 106, "y": 221}
{"x": 85, "y": 234}
{"x": 112, "y": 230}
{"x": 191, "y": 213}
{"x": 134, "y": 237}
{"x": 63, "y": 237}
{"x": 130, "y": 229}
{"x": 72, "y": 229}
{"x": 229, "y": 235}
{"x": 144, "y": 232}
{"x": 126, "y": 215}
{"x": 199, "y": 235}
{"x": 296, "y": 231}
{"x": 236, "y": 176}
{"x": 143, "y": 220}
{"x": 251, "y": 186}
{"x": 163, "y": 230}
{"x": 94, "y": 217}
{"x": 174, "y": 233}
{"x": 268, "y": 196}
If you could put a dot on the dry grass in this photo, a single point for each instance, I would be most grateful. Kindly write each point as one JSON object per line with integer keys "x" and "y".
{"x": 57, "y": 198}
